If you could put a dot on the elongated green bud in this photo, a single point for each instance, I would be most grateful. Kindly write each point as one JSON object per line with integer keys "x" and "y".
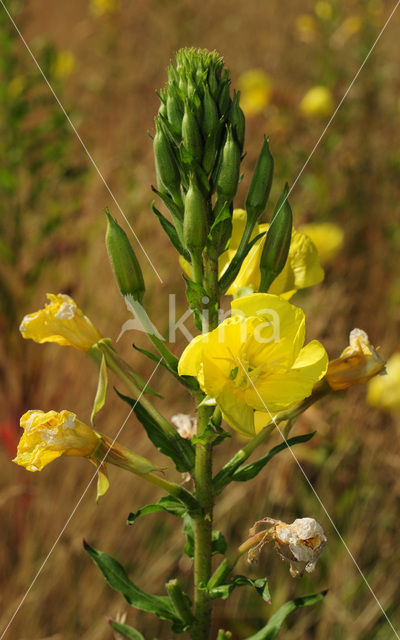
{"x": 224, "y": 99}
{"x": 168, "y": 176}
{"x": 237, "y": 120}
{"x": 127, "y": 271}
{"x": 210, "y": 113}
{"x": 260, "y": 186}
{"x": 191, "y": 136}
{"x": 228, "y": 176}
{"x": 195, "y": 225}
{"x": 174, "y": 111}
{"x": 277, "y": 242}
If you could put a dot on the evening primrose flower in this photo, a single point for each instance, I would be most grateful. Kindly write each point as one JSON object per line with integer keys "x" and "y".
{"x": 356, "y": 365}
{"x": 317, "y": 102}
{"x": 60, "y": 321}
{"x": 327, "y": 237}
{"x": 299, "y": 543}
{"x": 255, "y": 91}
{"x": 384, "y": 391}
{"x": 255, "y": 360}
{"x": 48, "y": 436}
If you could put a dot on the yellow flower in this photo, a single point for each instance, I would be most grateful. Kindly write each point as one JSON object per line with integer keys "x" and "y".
{"x": 64, "y": 64}
{"x": 384, "y": 391}
{"x": 323, "y": 10}
{"x": 357, "y": 364}
{"x": 255, "y": 91}
{"x": 302, "y": 268}
{"x": 61, "y": 321}
{"x": 99, "y": 8}
{"x": 327, "y": 237}
{"x": 255, "y": 360}
{"x": 48, "y": 436}
{"x": 317, "y": 102}
{"x": 306, "y": 28}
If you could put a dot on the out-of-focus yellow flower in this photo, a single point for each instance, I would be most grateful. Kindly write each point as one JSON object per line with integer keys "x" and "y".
{"x": 324, "y": 10}
{"x": 61, "y": 321}
{"x": 99, "y": 8}
{"x": 255, "y": 359}
{"x": 64, "y": 64}
{"x": 255, "y": 88}
{"x": 352, "y": 25}
{"x": 357, "y": 364}
{"x": 16, "y": 86}
{"x": 327, "y": 237}
{"x": 306, "y": 28}
{"x": 317, "y": 102}
{"x": 384, "y": 391}
{"x": 48, "y": 436}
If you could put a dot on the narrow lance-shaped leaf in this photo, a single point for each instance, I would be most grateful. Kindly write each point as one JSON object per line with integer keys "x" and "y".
{"x": 272, "y": 628}
{"x": 125, "y": 630}
{"x": 224, "y": 590}
{"x": 170, "y": 504}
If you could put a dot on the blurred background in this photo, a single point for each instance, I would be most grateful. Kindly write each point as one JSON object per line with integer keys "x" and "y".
{"x": 105, "y": 60}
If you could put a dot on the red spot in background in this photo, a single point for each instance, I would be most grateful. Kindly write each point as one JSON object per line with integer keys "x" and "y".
{"x": 9, "y": 438}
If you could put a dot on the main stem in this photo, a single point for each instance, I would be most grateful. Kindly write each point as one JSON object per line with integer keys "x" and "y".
{"x": 203, "y": 480}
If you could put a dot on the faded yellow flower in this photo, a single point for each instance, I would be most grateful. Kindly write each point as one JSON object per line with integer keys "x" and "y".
{"x": 384, "y": 391}
{"x": 60, "y": 321}
{"x": 327, "y": 237}
{"x": 317, "y": 102}
{"x": 357, "y": 364}
{"x": 255, "y": 88}
{"x": 64, "y": 64}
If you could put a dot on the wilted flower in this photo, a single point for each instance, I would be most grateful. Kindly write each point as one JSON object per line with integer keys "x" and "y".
{"x": 48, "y": 436}
{"x": 299, "y": 543}
{"x": 327, "y": 237}
{"x": 255, "y": 88}
{"x": 357, "y": 364}
{"x": 384, "y": 391}
{"x": 255, "y": 359}
{"x": 185, "y": 425}
{"x": 61, "y": 321}
{"x": 317, "y": 102}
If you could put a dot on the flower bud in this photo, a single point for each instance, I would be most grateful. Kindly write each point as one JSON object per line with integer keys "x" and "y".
{"x": 195, "y": 226}
{"x": 260, "y": 186}
{"x": 168, "y": 176}
{"x": 228, "y": 175}
{"x": 277, "y": 243}
{"x": 357, "y": 364}
{"x": 127, "y": 271}
{"x": 191, "y": 136}
{"x": 237, "y": 120}
{"x": 210, "y": 113}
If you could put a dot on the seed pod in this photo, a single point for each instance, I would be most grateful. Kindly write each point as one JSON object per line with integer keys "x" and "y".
{"x": 260, "y": 184}
{"x": 237, "y": 120}
{"x": 228, "y": 176}
{"x": 168, "y": 176}
{"x": 195, "y": 225}
{"x": 191, "y": 136}
{"x": 277, "y": 242}
{"x": 127, "y": 271}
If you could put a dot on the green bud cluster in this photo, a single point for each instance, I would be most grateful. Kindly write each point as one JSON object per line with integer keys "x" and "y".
{"x": 197, "y": 147}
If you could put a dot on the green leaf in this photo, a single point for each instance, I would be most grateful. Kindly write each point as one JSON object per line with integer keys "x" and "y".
{"x": 249, "y": 471}
{"x": 224, "y": 590}
{"x": 218, "y": 544}
{"x": 101, "y": 389}
{"x": 211, "y": 435}
{"x": 126, "y": 631}
{"x": 272, "y": 628}
{"x": 172, "y": 233}
{"x": 164, "y": 436}
{"x": 117, "y": 578}
{"x": 170, "y": 504}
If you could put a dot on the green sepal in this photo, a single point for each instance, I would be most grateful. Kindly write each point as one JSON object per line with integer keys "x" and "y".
{"x": 125, "y": 630}
{"x": 164, "y": 436}
{"x": 272, "y": 628}
{"x": 100, "y": 397}
{"x": 234, "y": 470}
{"x": 249, "y": 471}
{"x": 117, "y": 578}
{"x": 218, "y": 542}
{"x": 236, "y": 263}
{"x": 172, "y": 233}
{"x": 277, "y": 243}
{"x": 170, "y": 504}
{"x": 224, "y": 590}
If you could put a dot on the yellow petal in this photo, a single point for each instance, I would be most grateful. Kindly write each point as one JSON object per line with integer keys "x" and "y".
{"x": 327, "y": 237}
{"x": 191, "y": 358}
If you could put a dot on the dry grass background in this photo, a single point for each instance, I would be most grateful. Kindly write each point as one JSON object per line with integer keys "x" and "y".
{"x": 353, "y": 461}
